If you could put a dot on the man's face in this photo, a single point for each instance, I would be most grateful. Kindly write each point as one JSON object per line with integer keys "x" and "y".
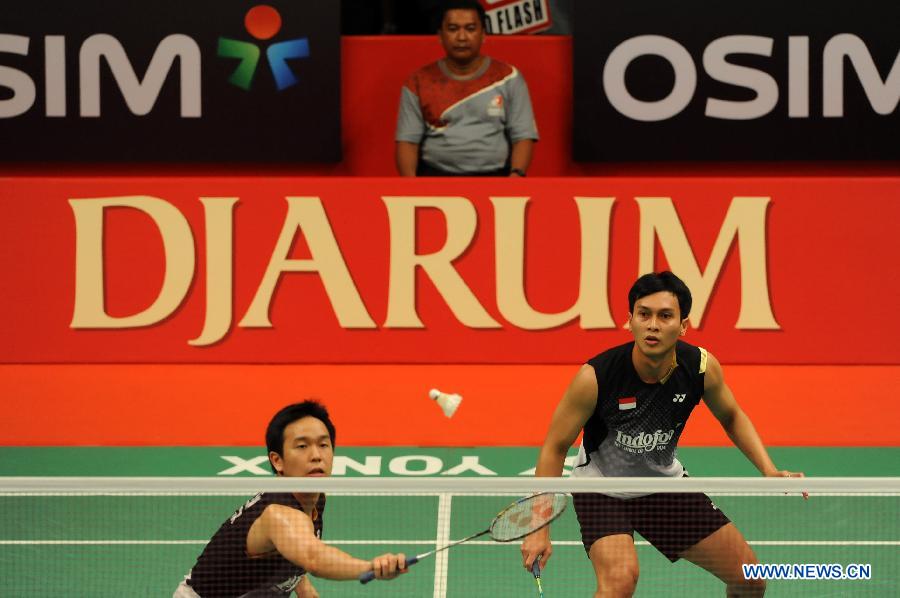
{"x": 461, "y": 35}
{"x": 306, "y": 451}
{"x": 656, "y": 323}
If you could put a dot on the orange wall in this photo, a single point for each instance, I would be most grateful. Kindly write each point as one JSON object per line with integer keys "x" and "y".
{"x": 389, "y": 405}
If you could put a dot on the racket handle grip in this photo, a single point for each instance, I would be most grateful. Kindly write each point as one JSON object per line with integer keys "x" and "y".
{"x": 536, "y": 567}
{"x": 370, "y": 575}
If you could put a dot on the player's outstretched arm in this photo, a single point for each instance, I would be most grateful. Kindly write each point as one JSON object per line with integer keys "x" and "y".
{"x": 576, "y": 406}
{"x": 720, "y": 400}
{"x": 292, "y": 534}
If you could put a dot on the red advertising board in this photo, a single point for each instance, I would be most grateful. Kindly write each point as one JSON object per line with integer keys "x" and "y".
{"x": 254, "y": 270}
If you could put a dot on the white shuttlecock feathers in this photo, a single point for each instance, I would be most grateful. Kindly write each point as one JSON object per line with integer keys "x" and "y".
{"x": 448, "y": 402}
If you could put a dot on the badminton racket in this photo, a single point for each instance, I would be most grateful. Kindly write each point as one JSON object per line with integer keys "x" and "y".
{"x": 521, "y": 518}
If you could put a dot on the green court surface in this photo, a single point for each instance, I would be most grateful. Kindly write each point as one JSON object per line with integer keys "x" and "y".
{"x": 143, "y": 545}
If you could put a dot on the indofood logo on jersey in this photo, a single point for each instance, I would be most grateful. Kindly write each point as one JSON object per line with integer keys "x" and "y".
{"x": 643, "y": 443}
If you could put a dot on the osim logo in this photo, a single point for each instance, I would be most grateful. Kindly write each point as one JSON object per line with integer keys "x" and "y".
{"x": 263, "y": 22}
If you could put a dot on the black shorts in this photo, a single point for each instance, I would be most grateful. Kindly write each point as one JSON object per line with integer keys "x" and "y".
{"x": 671, "y": 521}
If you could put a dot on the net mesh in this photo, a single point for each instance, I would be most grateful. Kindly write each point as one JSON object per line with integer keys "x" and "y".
{"x": 127, "y": 537}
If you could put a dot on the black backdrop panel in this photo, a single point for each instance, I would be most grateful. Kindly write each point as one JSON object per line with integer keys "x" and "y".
{"x": 774, "y": 78}
{"x": 197, "y": 114}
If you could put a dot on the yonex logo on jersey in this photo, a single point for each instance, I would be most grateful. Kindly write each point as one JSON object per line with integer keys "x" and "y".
{"x": 643, "y": 443}
{"x": 679, "y": 398}
{"x": 263, "y": 22}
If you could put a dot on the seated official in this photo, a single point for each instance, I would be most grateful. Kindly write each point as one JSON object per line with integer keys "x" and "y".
{"x": 466, "y": 114}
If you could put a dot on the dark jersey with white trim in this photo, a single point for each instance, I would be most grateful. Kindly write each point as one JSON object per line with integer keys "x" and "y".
{"x": 635, "y": 426}
{"x": 225, "y": 570}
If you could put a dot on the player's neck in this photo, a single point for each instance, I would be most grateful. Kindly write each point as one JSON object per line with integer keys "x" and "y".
{"x": 653, "y": 369}
{"x": 464, "y": 68}
{"x": 308, "y": 502}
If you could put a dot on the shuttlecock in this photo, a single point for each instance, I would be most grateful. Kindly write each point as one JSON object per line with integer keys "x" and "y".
{"x": 448, "y": 402}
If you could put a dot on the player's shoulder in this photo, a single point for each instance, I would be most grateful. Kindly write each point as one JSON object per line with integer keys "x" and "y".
{"x": 499, "y": 72}
{"x": 501, "y": 68}
{"x": 693, "y": 356}
{"x": 424, "y": 77}
{"x": 285, "y": 499}
{"x": 612, "y": 357}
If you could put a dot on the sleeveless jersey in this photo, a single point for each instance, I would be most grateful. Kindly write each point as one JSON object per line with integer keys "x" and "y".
{"x": 635, "y": 426}
{"x": 224, "y": 569}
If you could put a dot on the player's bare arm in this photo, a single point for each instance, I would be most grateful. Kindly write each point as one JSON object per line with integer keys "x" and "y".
{"x": 575, "y": 408}
{"x": 291, "y": 533}
{"x": 720, "y": 400}
{"x": 520, "y": 155}
{"x": 407, "y": 158}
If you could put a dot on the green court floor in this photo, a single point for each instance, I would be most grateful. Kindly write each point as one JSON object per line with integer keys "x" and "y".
{"x": 142, "y": 546}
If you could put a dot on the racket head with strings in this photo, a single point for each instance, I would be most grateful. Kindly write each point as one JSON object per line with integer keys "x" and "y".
{"x": 527, "y": 515}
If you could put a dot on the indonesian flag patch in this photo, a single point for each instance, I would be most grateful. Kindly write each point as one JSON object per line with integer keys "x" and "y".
{"x": 627, "y": 403}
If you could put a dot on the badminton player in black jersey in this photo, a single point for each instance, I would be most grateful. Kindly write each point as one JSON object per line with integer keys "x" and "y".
{"x": 633, "y": 402}
{"x": 270, "y": 544}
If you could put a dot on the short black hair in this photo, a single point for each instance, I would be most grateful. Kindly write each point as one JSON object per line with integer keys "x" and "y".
{"x": 290, "y": 414}
{"x": 449, "y": 5}
{"x": 661, "y": 281}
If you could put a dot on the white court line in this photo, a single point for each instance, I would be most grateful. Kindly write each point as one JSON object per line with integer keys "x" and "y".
{"x": 441, "y": 559}
{"x": 441, "y": 542}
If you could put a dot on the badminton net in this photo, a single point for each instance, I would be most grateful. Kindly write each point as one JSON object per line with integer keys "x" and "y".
{"x": 140, "y": 536}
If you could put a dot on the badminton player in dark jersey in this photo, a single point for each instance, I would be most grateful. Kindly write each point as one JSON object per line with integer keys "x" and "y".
{"x": 633, "y": 402}
{"x": 270, "y": 544}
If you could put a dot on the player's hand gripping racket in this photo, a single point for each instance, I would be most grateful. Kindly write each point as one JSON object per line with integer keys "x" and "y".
{"x": 523, "y": 517}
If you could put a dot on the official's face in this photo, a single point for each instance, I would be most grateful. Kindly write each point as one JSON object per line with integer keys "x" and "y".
{"x": 461, "y": 35}
{"x": 656, "y": 323}
{"x": 307, "y": 450}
